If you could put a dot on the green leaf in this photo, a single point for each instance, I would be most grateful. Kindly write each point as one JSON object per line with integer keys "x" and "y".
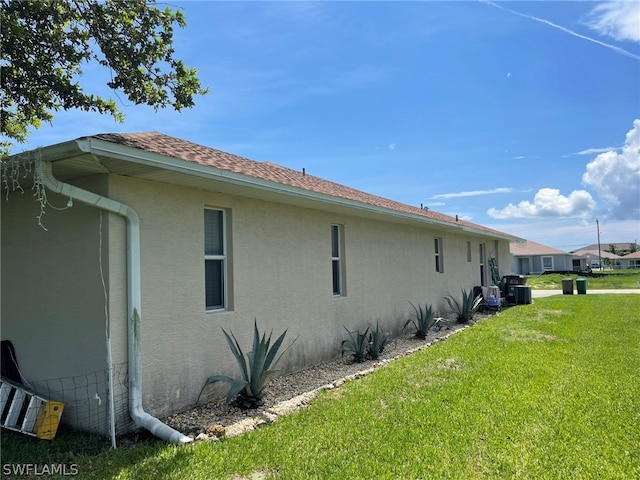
{"x": 237, "y": 353}
{"x": 236, "y": 385}
{"x": 45, "y": 44}
{"x": 256, "y": 368}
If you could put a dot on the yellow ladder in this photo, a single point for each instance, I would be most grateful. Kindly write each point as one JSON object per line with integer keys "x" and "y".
{"x": 26, "y": 412}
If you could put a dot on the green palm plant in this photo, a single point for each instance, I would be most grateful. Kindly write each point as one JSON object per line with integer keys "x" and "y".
{"x": 425, "y": 320}
{"x": 357, "y": 343}
{"x": 378, "y": 339}
{"x": 256, "y": 369}
{"x": 466, "y": 308}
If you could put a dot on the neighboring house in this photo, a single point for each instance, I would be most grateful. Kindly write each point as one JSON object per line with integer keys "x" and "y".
{"x": 621, "y": 248}
{"x": 153, "y": 244}
{"x": 632, "y": 260}
{"x": 529, "y": 257}
{"x": 593, "y": 258}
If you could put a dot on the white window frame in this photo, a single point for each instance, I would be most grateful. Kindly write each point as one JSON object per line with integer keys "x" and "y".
{"x": 544, "y": 267}
{"x": 218, "y": 257}
{"x": 337, "y": 260}
{"x": 438, "y": 254}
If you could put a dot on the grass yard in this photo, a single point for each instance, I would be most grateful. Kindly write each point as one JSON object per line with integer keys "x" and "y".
{"x": 608, "y": 279}
{"x": 547, "y": 391}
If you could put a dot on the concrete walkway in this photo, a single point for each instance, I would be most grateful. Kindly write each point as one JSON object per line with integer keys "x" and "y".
{"x": 548, "y": 293}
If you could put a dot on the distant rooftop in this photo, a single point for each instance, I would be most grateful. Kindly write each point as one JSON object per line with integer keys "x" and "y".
{"x": 532, "y": 248}
{"x": 624, "y": 246}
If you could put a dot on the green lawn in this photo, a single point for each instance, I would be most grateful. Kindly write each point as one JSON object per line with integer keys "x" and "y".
{"x": 608, "y": 279}
{"x": 548, "y": 390}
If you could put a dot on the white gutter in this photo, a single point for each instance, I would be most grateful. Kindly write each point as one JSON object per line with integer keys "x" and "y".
{"x": 139, "y": 416}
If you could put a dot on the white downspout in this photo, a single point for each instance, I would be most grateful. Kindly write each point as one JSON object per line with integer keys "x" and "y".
{"x": 139, "y": 416}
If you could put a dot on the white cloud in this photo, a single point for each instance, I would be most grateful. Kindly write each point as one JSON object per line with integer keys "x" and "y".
{"x": 392, "y": 146}
{"x": 591, "y": 151}
{"x": 473, "y": 193}
{"x": 569, "y": 233}
{"x": 616, "y": 19}
{"x": 548, "y": 202}
{"x": 616, "y": 49}
{"x": 616, "y": 176}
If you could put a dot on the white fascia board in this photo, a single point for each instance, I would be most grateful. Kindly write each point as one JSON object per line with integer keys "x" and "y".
{"x": 49, "y": 153}
{"x": 501, "y": 236}
{"x": 134, "y": 155}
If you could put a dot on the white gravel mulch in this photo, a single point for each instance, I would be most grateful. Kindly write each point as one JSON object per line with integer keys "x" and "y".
{"x": 290, "y": 392}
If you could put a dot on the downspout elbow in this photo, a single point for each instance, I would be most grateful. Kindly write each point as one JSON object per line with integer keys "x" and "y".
{"x": 137, "y": 413}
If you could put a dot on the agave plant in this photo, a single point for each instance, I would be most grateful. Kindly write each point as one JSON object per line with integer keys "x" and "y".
{"x": 464, "y": 309}
{"x": 357, "y": 343}
{"x": 425, "y": 320}
{"x": 257, "y": 369}
{"x": 378, "y": 339}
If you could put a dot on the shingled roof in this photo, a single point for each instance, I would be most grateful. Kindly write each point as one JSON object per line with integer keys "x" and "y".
{"x": 591, "y": 252}
{"x": 532, "y": 248}
{"x": 161, "y": 144}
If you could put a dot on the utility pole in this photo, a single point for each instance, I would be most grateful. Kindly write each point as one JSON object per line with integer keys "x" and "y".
{"x": 599, "y": 254}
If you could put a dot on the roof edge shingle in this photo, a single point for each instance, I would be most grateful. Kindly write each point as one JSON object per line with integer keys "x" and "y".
{"x": 165, "y": 145}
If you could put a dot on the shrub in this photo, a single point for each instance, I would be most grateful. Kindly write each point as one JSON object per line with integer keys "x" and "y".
{"x": 256, "y": 372}
{"x": 357, "y": 343}
{"x": 465, "y": 309}
{"x": 425, "y": 320}
{"x": 378, "y": 339}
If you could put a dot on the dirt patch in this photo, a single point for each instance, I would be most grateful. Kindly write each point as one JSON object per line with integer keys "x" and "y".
{"x": 522, "y": 334}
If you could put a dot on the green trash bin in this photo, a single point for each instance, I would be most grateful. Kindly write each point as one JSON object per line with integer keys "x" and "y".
{"x": 581, "y": 286}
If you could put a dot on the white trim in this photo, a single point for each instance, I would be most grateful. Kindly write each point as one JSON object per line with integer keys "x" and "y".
{"x": 135, "y": 155}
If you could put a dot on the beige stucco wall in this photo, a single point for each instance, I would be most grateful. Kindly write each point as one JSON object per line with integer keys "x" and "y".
{"x": 280, "y": 274}
{"x": 52, "y": 300}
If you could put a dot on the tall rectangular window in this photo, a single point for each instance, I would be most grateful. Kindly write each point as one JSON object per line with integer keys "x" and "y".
{"x": 215, "y": 259}
{"x": 439, "y": 257}
{"x": 468, "y": 251}
{"x": 337, "y": 270}
{"x": 547, "y": 263}
{"x": 483, "y": 275}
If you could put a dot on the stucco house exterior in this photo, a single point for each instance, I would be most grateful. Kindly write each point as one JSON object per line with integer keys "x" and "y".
{"x": 593, "y": 256}
{"x": 529, "y": 257}
{"x": 630, "y": 260}
{"x": 153, "y": 244}
{"x": 620, "y": 248}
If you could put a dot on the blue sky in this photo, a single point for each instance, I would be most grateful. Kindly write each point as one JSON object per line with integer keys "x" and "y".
{"x": 521, "y": 116}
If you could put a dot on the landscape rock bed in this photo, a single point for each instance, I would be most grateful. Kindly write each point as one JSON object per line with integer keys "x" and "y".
{"x": 290, "y": 392}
